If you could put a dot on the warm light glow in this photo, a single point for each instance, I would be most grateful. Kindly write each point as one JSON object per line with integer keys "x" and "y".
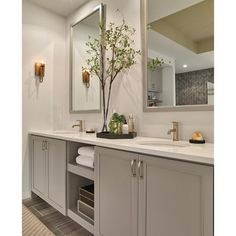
{"x": 86, "y": 77}
{"x": 39, "y": 70}
{"x": 185, "y": 66}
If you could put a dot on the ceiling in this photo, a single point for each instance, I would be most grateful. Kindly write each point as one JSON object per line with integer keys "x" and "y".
{"x": 192, "y": 27}
{"x": 163, "y": 45}
{"x": 61, "y": 7}
{"x": 184, "y": 34}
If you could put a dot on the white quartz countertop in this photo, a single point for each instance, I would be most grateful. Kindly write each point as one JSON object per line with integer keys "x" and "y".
{"x": 181, "y": 150}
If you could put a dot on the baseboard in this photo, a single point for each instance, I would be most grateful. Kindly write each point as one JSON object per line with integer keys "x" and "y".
{"x": 26, "y": 195}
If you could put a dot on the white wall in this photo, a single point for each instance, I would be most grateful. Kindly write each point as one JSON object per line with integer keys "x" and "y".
{"x": 46, "y": 105}
{"x": 127, "y": 97}
{"x": 43, "y": 38}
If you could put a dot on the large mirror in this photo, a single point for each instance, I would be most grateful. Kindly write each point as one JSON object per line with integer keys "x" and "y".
{"x": 178, "y": 54}
{"x": 84, "y": 88}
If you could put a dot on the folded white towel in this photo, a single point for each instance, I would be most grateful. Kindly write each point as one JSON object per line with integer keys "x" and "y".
{"x": 85, "y": 161}
{"x": 86, "y": 151}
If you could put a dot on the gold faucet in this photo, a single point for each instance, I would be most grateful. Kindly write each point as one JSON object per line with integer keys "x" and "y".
{"x": 80, "y": 125}
{"x": 175, "y": 131}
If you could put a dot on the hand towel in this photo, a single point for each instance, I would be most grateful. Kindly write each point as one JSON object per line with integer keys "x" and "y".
{"x": 86, "y": 151}
{"x": 85, "y": 161}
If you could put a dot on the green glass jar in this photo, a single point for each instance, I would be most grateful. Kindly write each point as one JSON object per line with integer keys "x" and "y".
{"x": 115, "y": 127}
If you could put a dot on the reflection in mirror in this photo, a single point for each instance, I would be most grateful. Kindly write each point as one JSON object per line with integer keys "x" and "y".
{"x": 85, "y": 89}
{"x": 179, "y": 53}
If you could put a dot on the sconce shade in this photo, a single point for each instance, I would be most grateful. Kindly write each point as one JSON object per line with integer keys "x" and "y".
{"x": 40, "y": 70}
{"x": 86, "y": 77}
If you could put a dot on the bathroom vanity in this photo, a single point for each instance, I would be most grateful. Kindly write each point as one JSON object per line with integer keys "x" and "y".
{"x": 143, "y": 186}
{"x": 48, "y": 170}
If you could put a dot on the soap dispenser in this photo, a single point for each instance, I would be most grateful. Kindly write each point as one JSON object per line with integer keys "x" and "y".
{"x": 131, "y": 123}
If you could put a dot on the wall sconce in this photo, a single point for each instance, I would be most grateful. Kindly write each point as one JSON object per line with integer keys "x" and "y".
{"x": 86, "y": 77}
{"x": 39, "y": 70}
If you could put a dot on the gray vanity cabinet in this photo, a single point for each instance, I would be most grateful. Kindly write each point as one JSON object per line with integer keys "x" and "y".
{"x": 140, "y": 195}
{"x": 39, "y": 167}
{"x": 49, "y": 171}
{"x": 175, "y": 198}
{"x": 116, "y": 195}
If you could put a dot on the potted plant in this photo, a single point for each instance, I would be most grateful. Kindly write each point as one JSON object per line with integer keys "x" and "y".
{"x": 116, "y": 122}
{"x": 111, "y": 54}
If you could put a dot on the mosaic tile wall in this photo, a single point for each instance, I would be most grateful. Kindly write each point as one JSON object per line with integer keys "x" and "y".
{"x": 191, "y": 87}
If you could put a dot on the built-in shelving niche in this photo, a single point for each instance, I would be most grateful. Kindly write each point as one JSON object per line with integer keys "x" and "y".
{"x": 77, "y": 176}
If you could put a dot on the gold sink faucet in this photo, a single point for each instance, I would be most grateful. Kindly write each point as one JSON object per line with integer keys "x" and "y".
{"x": 80, "y": 125}
{"x": 175, "y": 131}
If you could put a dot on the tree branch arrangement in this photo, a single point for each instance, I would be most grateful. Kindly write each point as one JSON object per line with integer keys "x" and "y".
{"x": 111, "y": 54}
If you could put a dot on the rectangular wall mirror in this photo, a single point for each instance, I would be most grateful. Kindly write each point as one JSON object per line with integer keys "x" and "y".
{"x": 178, "y": 55}
{"x": 84, "y": 88}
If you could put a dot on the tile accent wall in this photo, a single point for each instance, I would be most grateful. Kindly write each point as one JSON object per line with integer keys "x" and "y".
{"x": 191, "y": 87}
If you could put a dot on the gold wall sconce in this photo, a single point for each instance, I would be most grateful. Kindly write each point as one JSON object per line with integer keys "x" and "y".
{"x": 86, "y": 77}
{"x": 40, "y": 70}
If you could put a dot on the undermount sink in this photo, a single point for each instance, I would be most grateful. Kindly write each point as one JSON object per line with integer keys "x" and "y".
{"x": 163, "y": 143}
{"x": 65, "y": 132}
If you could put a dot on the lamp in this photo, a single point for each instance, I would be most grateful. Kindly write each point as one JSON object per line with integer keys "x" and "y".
{"x": 39, "y": 70}
{"x": 86, "y": 77}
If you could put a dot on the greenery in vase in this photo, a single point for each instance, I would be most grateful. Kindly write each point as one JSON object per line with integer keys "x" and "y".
{"x": 153, "y": 64}
{"x": 116, "y": 123}
{"x": 111, "y": 54}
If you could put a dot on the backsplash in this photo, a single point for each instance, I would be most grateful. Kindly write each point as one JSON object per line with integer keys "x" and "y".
{"x": 191, "y": 87}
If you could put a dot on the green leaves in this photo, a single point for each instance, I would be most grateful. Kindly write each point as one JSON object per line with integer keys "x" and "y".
{"x": 118, "y": 118}
{"x": 110, "y": 54}
{"x": 116, "y": 123}
{"x": 118, "y": 46}
{"x": 153, "y": 64}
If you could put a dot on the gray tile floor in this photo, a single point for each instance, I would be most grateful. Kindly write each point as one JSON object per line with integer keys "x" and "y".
{"x": 31, "y": 225}
{"x": 59, "y": 224}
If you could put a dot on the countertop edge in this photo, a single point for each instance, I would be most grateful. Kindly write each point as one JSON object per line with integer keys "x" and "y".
{"x": 165, "y": 154}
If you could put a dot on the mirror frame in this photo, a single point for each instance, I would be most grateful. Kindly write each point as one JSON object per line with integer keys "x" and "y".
{"x": 101, "y": 9}
{"x": 143, "y": 15}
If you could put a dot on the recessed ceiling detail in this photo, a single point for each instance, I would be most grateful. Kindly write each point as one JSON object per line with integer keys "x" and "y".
{"x": 192, "y": 27}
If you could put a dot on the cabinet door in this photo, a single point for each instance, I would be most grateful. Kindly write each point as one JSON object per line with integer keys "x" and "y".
{"x": 57, "y": 173}
{"x": 116, "y": 191}
{"x": 39, "y": 167}
{"x": 156, "y": 78}
{"x": 175, "y": 198}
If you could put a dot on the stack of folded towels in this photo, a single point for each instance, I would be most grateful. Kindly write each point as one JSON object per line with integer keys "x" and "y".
{"x": 86, "y": 156}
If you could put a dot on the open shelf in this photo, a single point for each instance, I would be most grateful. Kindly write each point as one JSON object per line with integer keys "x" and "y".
{"x": 154, "y": 91}
{"x": 75, "y": 182}
{"x": 81, "y": 219}
{"x": 72, "y": 150}
{"x": 77, "y": 176}
{"x": 72, "y": 166}
{"x": 81, "y": 170}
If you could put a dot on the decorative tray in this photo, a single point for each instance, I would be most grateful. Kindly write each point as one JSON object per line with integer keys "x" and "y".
{"x": 116, "y": 136}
